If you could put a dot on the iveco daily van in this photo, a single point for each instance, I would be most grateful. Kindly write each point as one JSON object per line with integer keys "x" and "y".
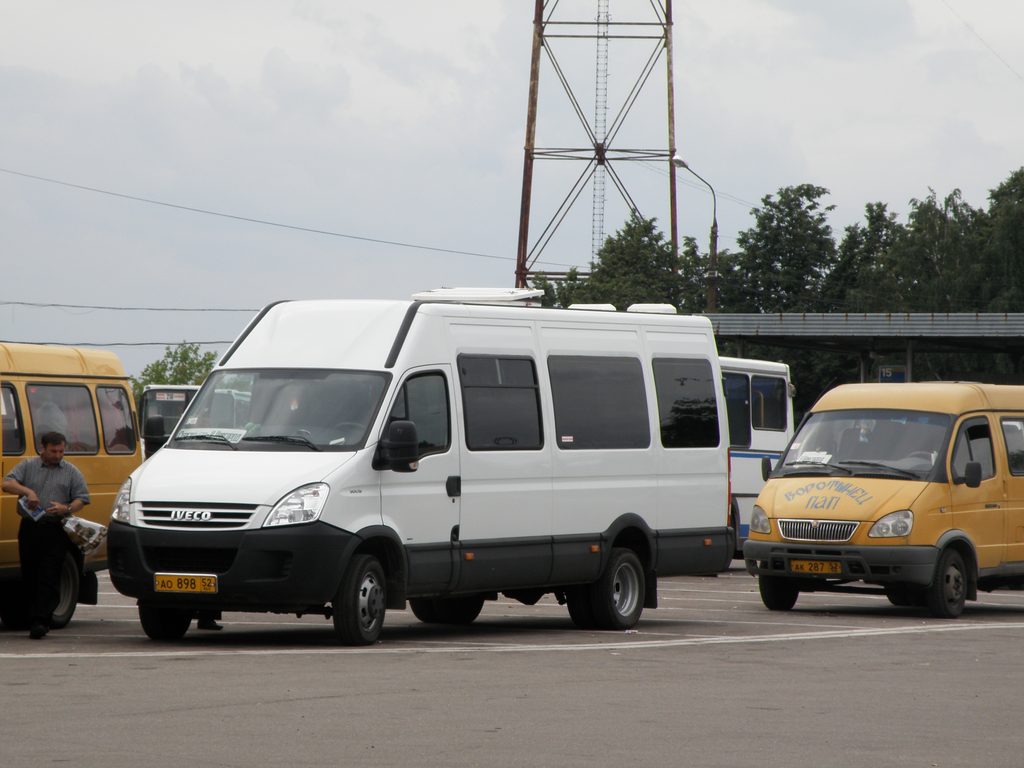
{"x": 915, "y": 490}
{"x": 345, "y": 457}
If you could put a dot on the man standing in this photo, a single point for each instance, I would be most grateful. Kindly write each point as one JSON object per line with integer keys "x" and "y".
{"x": 50, "y": 490}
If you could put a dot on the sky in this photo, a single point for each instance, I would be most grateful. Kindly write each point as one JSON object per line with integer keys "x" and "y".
{"x": 209, "y": 158}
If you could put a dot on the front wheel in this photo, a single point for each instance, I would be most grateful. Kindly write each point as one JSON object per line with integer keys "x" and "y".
{"x": 777, "y": 593}
{"x": 70, "y": 581}
{"x": 166, "y": 624}
{"x": 617, "y": 597}
{"x": 360, "y": 602}
{"x": 948, "y": 591}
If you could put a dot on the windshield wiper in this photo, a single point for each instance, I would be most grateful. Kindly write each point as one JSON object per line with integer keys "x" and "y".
{"x": 212, "y": 437}
{"x": 879, "y": 465}
{"x": 296, "y": 439}
{"x": 817, "y": 464}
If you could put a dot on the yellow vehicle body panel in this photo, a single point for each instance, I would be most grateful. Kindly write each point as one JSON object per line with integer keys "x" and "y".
{"x": 29, "y": 368}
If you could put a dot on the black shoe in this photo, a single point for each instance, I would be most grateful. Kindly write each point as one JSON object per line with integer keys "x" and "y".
{"x": 38, "y": 631}
{"x": 208, "y": 624}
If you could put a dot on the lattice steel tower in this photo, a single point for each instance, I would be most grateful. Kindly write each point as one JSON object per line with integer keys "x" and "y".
{"x": 601, "y": 152}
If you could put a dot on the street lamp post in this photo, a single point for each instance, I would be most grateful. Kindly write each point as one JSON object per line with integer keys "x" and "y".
{"x": 712, "y": 284}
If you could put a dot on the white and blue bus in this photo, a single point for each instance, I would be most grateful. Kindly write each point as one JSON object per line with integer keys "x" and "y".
{"x": 759, "y": 400}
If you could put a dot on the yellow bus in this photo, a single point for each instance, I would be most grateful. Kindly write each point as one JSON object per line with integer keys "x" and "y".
{"x": 86, "y": 395}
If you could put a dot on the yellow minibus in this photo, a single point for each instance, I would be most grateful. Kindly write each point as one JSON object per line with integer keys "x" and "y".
{"x": 912, "y": 490}
{"x": 84, "y": 394}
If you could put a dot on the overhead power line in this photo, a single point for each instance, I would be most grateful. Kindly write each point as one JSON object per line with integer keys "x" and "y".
{"x": 122, "y": 309}
{"x": 264, "y": 222}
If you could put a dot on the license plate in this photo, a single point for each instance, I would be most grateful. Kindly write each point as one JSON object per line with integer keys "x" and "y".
{"x": 199, "y": 583}
{"x": 829, "y": 567}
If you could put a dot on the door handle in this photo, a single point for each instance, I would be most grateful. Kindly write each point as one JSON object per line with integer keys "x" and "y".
{"x": 453, "y": 485}
{"x": 991, "y": 505}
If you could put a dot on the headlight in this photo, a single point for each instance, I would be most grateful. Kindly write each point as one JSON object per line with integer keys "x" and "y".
{"x": 759, "y": 521}
{"x": 120, "y": 511}
{"x": 893, "y": 525}
{"x": 303, "y": 505}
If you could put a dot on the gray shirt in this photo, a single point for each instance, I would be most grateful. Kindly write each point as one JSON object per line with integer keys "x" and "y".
{"x": 62, "y": 483}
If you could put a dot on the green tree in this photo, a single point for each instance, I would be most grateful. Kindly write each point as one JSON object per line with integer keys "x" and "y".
{"x": 1004, "y": 251}
{"x": 860, "y": 280}
{"x": 183, "y": 364}
{"x": 785, "y": 257}
{"x": 634, "y": 266}
{"x": 560, "y": 293}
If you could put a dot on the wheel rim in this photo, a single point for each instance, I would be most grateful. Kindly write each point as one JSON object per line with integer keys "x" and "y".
{"x": 371, "y": 601}
{"x": 625, "y": 589}
{"x": 953, "y": 585}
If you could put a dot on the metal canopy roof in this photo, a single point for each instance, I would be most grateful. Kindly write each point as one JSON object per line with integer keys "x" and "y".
{"x": 882, "y": 331}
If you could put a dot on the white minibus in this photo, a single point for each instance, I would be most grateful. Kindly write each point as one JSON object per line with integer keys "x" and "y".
{"x": 759, "y": 399}
{"x": 434, "y": 453}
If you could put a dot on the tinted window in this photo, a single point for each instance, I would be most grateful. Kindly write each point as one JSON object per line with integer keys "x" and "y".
{"x": 14, "y": 432}
{"x": 64, "y": 409}
{"x": 1013, "y": 434}
{"x": 502, "y": 403}
{"x": 737, "y": 402}
{"x": 424, "y": 401}
{"x": 768, "y": 402}
{"x": 599, "y": 402}
{"x": 116, "y": 418}
{"x": 973, "y": 443}
{"x": 687, "y": 405}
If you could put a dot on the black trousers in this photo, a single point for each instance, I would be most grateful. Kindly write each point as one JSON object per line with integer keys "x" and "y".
{"x": 41, "y": 547}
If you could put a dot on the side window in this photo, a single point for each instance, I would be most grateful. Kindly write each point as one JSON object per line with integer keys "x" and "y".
{"x": 66, "y": 409}
{"x": 423, "y": 400}
{"x": 737, "y": 404}
{"x": 686, "y": 403}
{"x": 14, "y": 432}
{"x": 973, "y": 443}
{"x": 599, "y": 402}
{"x": 1013, "y": 434}
{"x": 116, "y": 418}
{"x": 502, "y": 403}
{"x": 768, "y": 402}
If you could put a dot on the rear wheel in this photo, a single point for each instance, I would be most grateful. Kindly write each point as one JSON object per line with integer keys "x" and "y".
{"x": 69, "y": 585}
{"x": 617, "y": 597}
{"x": 948, "y": 591}
{"x": 777, "y": 593}
{"x": 160, "y": 623}
{"x": 360, "y": 602}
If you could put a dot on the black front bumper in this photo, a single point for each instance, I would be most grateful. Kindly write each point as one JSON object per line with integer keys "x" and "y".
{"x": 290, "y": 570}
{"x": 875, "y": 565}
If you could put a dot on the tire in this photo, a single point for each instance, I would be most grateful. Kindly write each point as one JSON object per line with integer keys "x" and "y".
{"x": 164, "y": 624}
{"x": 617, "y": 597}
{"x": 947, "y": 593}
{"x": 447, "y": 610}
{"x": 360, "y": 602}
{"x": 581, "y": 611}
{"x": 14, "y": 611}
{"x": 777, "y": 593}
{"x": 70, "y": 582}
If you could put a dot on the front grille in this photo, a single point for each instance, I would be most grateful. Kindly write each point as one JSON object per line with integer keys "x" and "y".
{"x": 205, "y": 517}
{"x": 189, "y": 559}
{"x": 817, "y": 530}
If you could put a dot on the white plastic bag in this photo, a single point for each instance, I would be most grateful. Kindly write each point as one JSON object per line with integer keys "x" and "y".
{"x": 85, "y": 534}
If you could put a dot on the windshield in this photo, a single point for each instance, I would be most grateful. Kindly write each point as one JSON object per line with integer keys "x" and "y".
{"x": 282, "y": 410}
{"x": 906, "y": 444}
{"x": 167, "y": 403}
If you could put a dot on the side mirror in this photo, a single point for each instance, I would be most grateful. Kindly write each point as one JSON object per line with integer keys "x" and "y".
{"x": 399, "y": 447}
{"x": 972, "y": 474}
{"x": 766, "y": 467}
{"x": 153, "y": 434}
